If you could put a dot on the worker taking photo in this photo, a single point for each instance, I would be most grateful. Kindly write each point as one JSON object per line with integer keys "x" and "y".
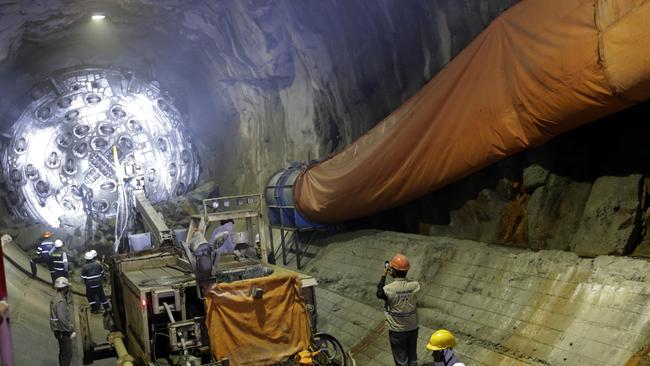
{"x": 400, "y": 310}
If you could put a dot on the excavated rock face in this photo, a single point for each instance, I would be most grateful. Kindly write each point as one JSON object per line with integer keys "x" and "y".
{"x": 583, "y": 192}
{"x": 60, "y": 158}
{"x": 260, "y": 83}
{"x": 265, "y": 83}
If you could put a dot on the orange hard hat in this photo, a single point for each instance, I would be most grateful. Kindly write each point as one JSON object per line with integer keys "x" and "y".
{"x": 47, "y": 234}
{"x": 400, "y": 262}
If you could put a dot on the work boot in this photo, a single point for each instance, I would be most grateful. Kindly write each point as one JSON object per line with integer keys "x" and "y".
{"x": 32, "y": 267}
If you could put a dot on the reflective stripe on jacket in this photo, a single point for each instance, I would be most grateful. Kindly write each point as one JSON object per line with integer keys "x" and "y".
{"x": 400, "y": 306}
{"x": 58, "y": 261}
{"x": 45, "y": 248}
{"x": 92, "y": 273}
{"x": 60, "y": 320}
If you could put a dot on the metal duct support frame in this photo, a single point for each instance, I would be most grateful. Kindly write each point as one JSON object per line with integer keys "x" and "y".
{"x": 285, "y": 217}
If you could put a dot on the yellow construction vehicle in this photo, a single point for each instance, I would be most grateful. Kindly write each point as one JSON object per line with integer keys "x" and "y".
{"x": 195, "y": 301}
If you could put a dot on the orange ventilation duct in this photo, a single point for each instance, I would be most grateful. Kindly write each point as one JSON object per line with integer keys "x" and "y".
{"x": 542, "y": 68}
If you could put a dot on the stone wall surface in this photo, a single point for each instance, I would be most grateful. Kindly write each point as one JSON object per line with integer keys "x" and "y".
{"x": 263, "y": 83}
{"x": 585, "y": 191}
{"x": 612, "y": 216}
{"x": 260, "y": 84}
{"x": 507, "y": 306}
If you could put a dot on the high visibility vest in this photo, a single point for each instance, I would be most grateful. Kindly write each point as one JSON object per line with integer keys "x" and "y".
{"x": 401, "y": 311}
{"x": 59, "y": 262}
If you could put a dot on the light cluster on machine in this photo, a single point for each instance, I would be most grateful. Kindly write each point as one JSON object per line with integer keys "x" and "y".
{"x": 132, "y": 200}
{"x": 58, "y": 163}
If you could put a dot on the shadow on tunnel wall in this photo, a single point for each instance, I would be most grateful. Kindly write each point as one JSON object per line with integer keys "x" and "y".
{"x": 584, "y": 191}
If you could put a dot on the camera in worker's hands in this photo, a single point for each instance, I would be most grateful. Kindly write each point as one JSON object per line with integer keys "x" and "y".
{"x": 387, "y": 265}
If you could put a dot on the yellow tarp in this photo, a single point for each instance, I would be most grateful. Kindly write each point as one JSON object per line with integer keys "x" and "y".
{"x": 257, "y": 331}
{"x": 542, "y": 68}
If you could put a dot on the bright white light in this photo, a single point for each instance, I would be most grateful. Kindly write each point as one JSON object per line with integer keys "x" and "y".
{"x": 59, "y": 165}
{"x": 98, "y": 17}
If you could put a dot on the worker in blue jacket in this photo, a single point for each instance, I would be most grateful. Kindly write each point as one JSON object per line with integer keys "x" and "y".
{"x": 93, "y": 274}
{"x": 44, "y": 249}
{"x": 59, "y": 266}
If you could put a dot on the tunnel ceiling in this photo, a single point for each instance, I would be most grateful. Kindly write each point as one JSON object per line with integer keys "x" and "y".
{"x": 260, "y": 83}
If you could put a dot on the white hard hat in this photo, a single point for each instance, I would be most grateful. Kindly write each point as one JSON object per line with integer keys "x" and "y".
{"x": 58, "y": 243}
{"x": 61, "y": 282}
{"x": 89, "y": 255}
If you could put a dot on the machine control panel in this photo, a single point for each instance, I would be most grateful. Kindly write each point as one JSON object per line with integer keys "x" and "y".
{"x": 170, "y": 296}
{"x": 185, "y": 334}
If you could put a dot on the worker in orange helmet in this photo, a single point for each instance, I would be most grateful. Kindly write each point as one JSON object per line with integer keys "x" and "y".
{"x": 44, "y": 249}
{"x": 400, "y": 310}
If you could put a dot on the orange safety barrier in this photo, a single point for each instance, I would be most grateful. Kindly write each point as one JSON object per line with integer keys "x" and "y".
{"x": 542, "y": 68}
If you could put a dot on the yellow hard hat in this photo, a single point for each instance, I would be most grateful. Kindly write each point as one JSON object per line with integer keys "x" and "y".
{"x": 441, "y": 339}
{"x": 305, "y": 358}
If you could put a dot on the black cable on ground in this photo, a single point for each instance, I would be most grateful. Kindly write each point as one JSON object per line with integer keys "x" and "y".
{"x": 29, "y": 273}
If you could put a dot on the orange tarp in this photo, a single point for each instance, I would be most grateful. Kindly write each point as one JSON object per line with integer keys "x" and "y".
{"x": 257, "y": 331}
{"x": 542, "y": 68}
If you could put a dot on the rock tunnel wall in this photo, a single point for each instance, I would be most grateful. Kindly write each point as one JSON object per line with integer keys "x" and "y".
{"x": 585, "y": 192}
{"x": 507, "y": 306}
{"x": 539, "y": 70}
{"x": 263, "y": 84}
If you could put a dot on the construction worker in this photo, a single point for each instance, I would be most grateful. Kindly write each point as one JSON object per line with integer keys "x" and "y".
{"x": 4, "y": 309}
{"x": 222, "y": 237}
{"x": 61, "y": 321}
{"x": 400, "y": 310}
{"x": 93, "y": 274}
{"x": 442, "y": 343}
{"x": 205, "y": 259}
{"x": 58, "y": 261}
{"x": 44, "y": 249}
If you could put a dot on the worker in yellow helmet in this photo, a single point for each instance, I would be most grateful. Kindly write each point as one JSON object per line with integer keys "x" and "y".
{"x": 400, "y": 310}
{"x": 442, "y": 343}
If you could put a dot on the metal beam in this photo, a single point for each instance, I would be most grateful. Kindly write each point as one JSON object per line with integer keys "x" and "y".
{"x": 153, "y": 221}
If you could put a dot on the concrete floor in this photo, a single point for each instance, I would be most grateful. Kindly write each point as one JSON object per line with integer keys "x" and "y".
{"x": 33, "y": 342}
{"x": 507, "y": 306}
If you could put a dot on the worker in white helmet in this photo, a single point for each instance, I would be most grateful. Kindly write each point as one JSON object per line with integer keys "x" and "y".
{"x": 222, "y": 237}
{"x": 205, "y": 259}
{"x": 93, "y": 275}
{"x": 61, "y": 321}
{"x": 58, "y": 261}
